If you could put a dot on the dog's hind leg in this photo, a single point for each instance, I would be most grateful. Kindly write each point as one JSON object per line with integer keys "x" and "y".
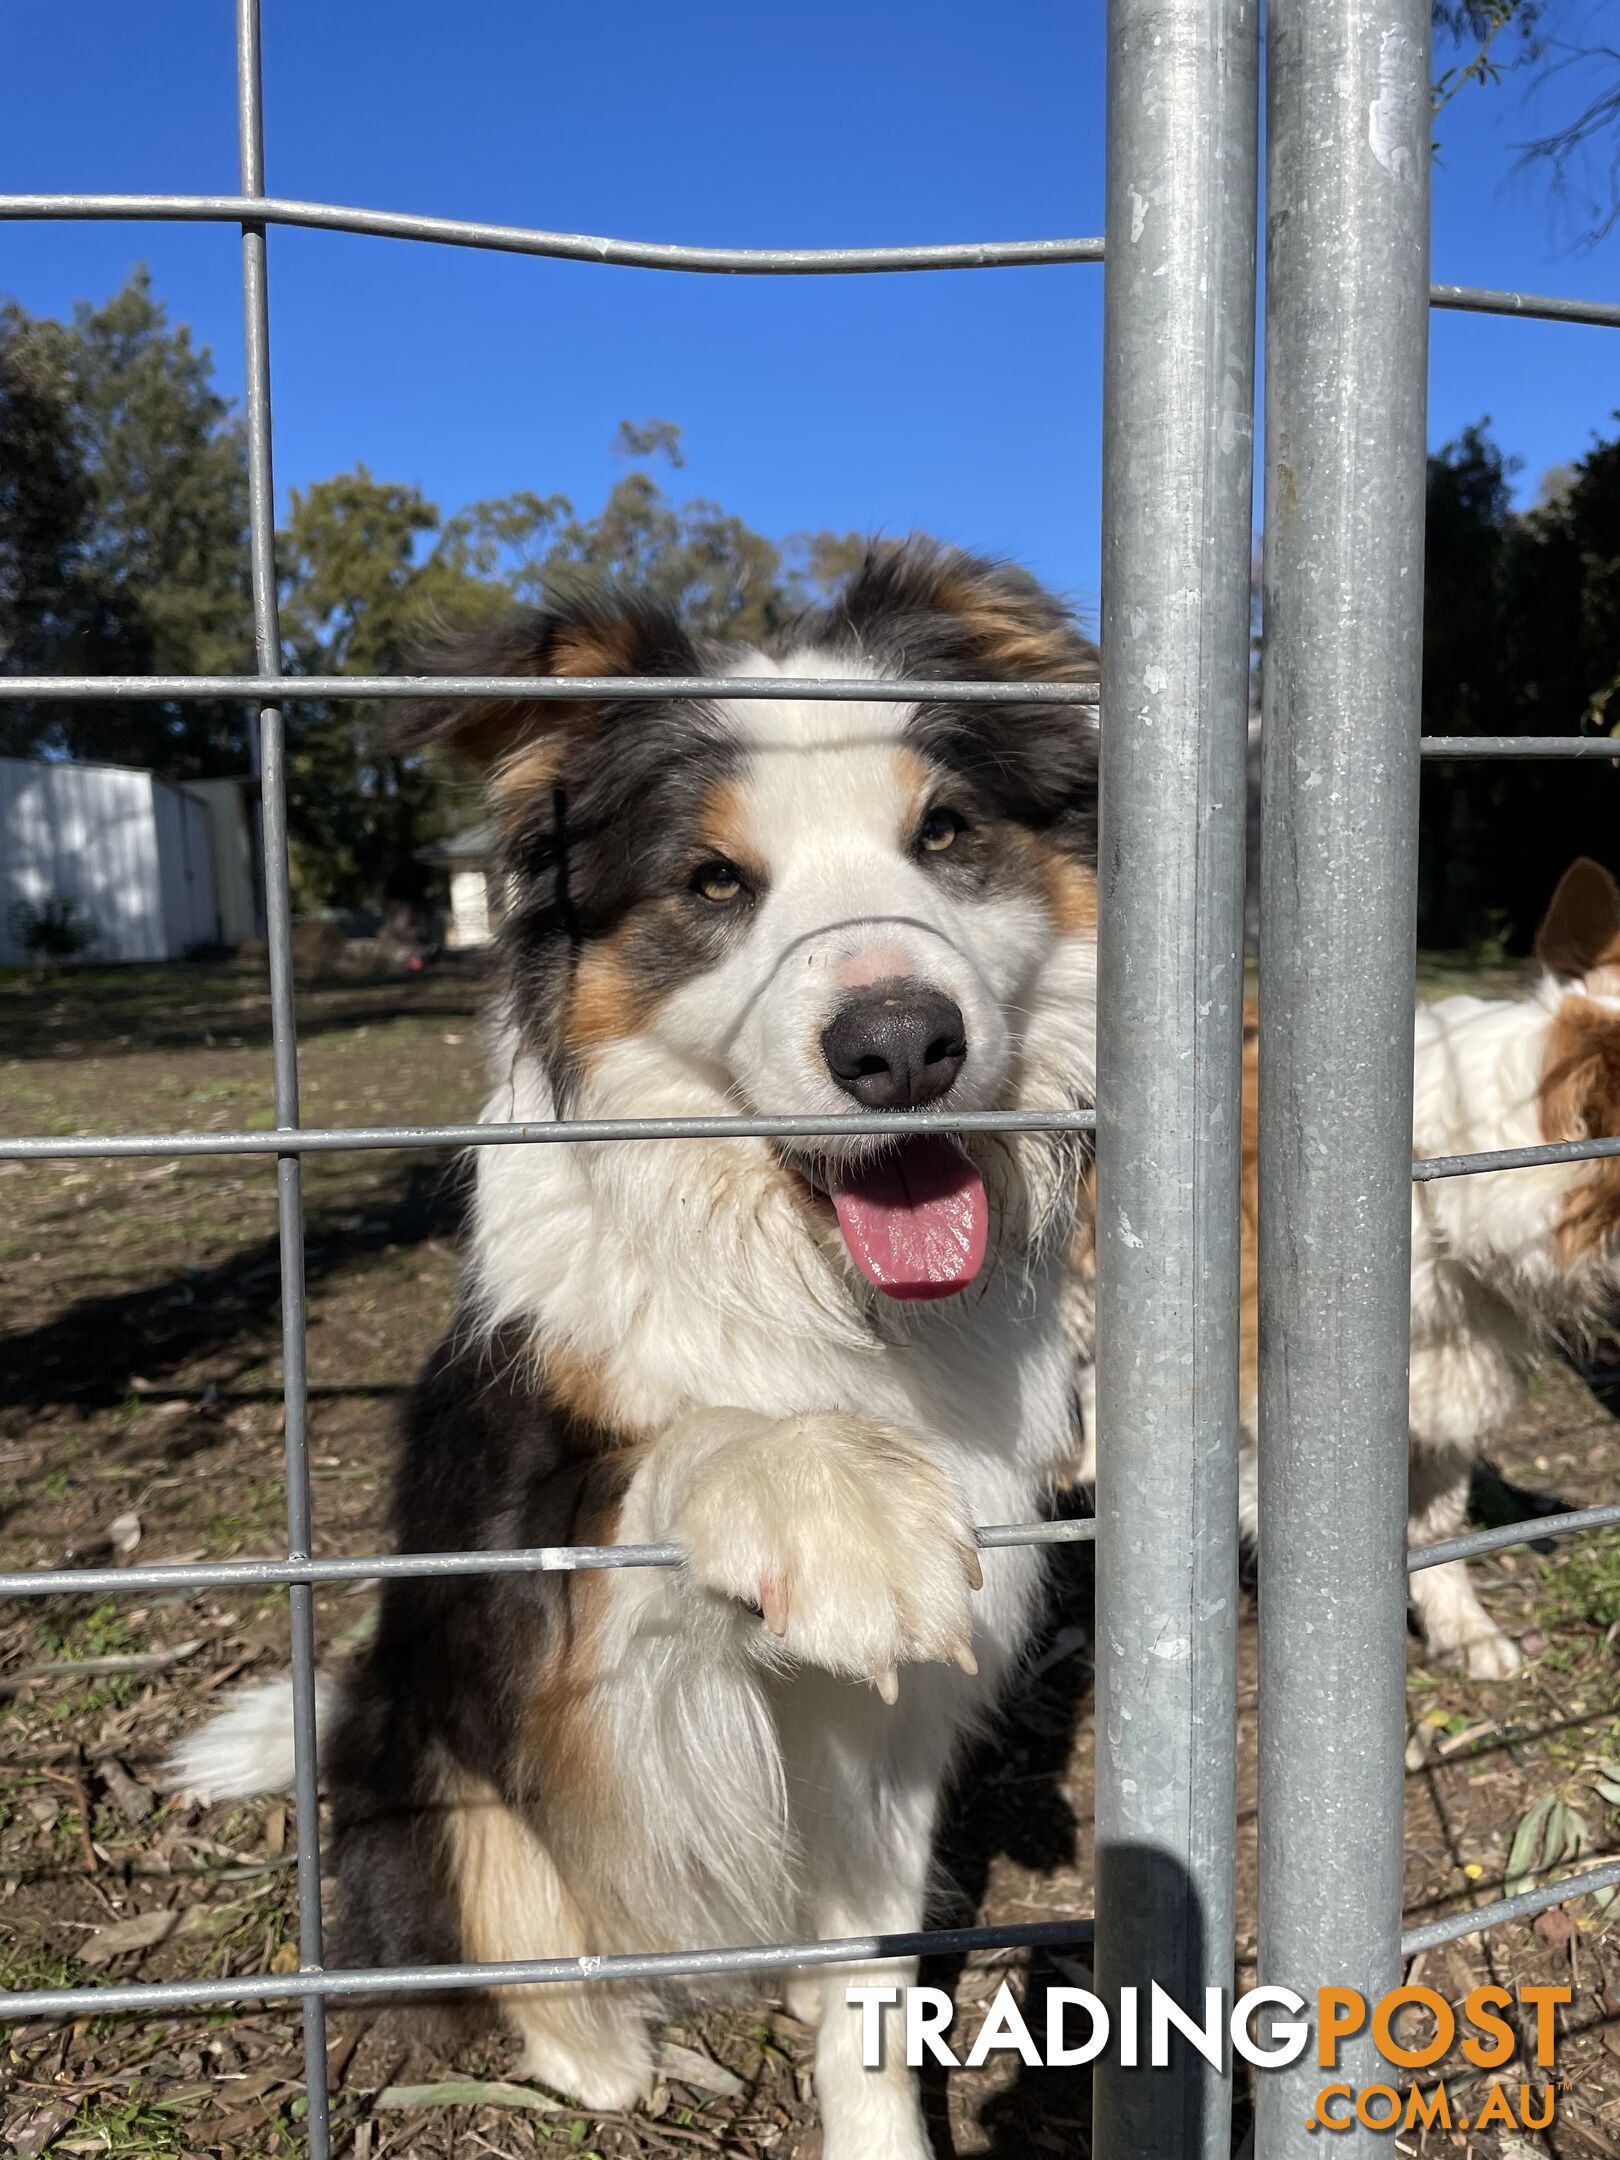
{"x": 588, "y": 2041}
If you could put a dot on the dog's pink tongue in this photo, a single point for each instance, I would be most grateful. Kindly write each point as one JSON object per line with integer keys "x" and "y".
{"x": 916, "y": 1221}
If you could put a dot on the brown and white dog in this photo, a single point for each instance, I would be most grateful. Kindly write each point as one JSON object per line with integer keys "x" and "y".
{"x": 1505, "y": 1265}
{"x": 814, "y": 1368}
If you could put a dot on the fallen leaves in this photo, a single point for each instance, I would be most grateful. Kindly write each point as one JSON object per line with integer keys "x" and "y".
{"x": 467, "y": 2092}
{"x": 1556, "y": 1929}
{"x": 117, "y": 1661}
{"x": 690, "y": 2067}
{"x": 31, "y": 2132}
{"x": 141, "y": 1932}
{"x": 133, "y": 1800}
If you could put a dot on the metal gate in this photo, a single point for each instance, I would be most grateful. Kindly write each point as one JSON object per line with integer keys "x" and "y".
{"x": 1346, "y": 342}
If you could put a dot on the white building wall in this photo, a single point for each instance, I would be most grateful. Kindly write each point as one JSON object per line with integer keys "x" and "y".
{"x": 88, "y": 832}
{"x": 237, "y": 883}
{"x": 469, "y": 909}
{"x": 185, "y": 870}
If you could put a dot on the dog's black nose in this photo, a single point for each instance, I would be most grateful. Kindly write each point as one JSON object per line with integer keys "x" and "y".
{"x": 895, "y": 1045}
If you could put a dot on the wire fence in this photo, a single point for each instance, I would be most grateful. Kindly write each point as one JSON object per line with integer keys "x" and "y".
{"x": 1348, "y": 270}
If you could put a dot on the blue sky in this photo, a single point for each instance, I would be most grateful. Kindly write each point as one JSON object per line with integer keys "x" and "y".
{"x": 966, "y": 404}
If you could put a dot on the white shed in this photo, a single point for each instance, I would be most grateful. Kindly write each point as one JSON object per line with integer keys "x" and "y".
{"x": 477, "y": 886}
{"x": 156, "y": 869}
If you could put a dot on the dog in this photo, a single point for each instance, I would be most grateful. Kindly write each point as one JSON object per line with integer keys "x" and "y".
{"x": 812, "y": 1366}
{"x": 1506, "y": 1266}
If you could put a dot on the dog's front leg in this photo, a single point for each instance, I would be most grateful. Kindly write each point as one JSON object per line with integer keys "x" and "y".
{"x": 1454, "y": 1623}
{"x": 832, "y": 1543}
{"x": 871, "y": 2110}
{"x": 824, "y": 1539}
{"x": 873, "y": 1780}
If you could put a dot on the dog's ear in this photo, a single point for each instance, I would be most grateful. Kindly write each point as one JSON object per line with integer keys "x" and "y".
{"x": 517, "y": 741}
{"x": 1581, "y": 929}
{"x": 931, "y": 609}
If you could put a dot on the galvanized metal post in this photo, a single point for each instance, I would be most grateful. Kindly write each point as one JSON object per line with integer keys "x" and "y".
{"x": 1346, "y": 350}
{"x": 284, "y": 1037}
{"x": 1178, "y": 461}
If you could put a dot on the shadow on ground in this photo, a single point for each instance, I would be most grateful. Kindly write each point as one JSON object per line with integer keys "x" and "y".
{"x": 90, "y": 1352}
{"x": 187, "y": 1006}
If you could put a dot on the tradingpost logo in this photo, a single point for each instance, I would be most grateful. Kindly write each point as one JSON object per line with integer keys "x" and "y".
{"x": 1078, "y": 2028}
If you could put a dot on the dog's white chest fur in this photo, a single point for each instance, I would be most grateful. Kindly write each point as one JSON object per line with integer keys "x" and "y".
{"x": 684, "y": 1275}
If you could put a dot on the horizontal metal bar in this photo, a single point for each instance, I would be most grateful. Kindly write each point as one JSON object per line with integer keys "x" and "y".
{"x": 564, "y": 246}
{"x": 1514, "y": 1158}
{"x": 158, "y": 1996}
{"x": 533, "y": 1972}
{"x": 336, "y": 1139}
{"x": 1469, "y": 748}
{"x": 622, "y": 689}
{"x": 1082, "y": 1531}
{"x": 672, "y": 255}
{"x": 1523, "y": 1907}
{"x": 295, "y": 689}
{"x": 531, "y": 1560}
{"x": 1571, "y": 1522}
{"x": 258, "y": 1574}
{"x": 1547, "y": 307}
{"x": 555, "y": 1559}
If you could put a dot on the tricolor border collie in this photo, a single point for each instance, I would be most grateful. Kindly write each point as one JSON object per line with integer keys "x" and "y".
{"x": 814, "y": 1368}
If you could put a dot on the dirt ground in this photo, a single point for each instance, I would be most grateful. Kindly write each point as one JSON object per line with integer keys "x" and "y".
{"x": 140, "y": 1418}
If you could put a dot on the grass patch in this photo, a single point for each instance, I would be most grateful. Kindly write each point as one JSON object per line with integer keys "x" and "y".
{"x": 27, "y": 1965}
{"x": 142, "y": 2122}
{"x": 1482, "y": 971}
{"x": 1581, "y": 1588}
{"x": 101, "y": 1632}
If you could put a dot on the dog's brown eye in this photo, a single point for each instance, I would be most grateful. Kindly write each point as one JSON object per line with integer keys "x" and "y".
{"x": 719, "y": 882}
{"x": 939, "y": 830}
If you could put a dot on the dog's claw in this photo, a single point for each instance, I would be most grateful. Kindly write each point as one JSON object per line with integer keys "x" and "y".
{"x": 773, "y": 1605}
{"x": 887, "y": 1684}
{"x": 971, "y": 1568}
{"x": 964, "y": 1657}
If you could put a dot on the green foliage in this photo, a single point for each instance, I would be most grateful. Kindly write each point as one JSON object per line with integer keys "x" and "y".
{"x": 137, "y": 546}
{"x": 369, "y": 569}
{"x": 100, "y": 1632}
{"x": 53, "y": 616}
{"x": 124, "y": 549}
{"x": 1521, "y": 636}
{"x": 1575, "y": 157}
{"x": 355, "y": 601}
{"x": 1581, "y": 1587}
{"x": 55, "y": 928}
{"x": 1478, "y": 27}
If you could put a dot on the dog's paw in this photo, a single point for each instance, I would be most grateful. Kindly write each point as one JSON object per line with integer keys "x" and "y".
{"x": 1456, "y": 1627}
{"x": 854, "y": 1549}
{"x": 1472, "y": 1641}
{"x": 1492, "y": 1657}
{"x": 804, "y": 1995}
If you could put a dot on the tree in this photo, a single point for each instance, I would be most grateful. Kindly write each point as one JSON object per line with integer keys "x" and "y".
{"x": 1578, "y": 155}
{"x": 358, "y": 599}
{"x": 124, "y": 549}
{"x": 54, "y": 619}
{"x": 160, "y": 556}
{"x": 724, "y": 578}
{"x": 1468, "y": 516}
{"x": 369, "y": 569}
{"x": 1482, "y": 31}
{"x": 1521, "y": 636}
